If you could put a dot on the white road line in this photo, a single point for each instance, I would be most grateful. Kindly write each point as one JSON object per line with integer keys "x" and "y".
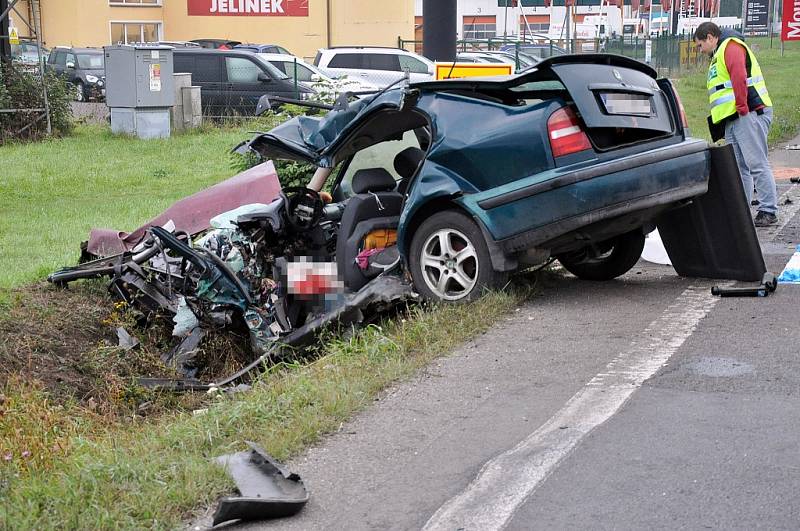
{"x": 506, "y": 481}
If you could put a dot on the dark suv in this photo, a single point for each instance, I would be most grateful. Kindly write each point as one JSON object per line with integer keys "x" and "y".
{"x": 232, "y": 81}
{"x": 83, "y": 67}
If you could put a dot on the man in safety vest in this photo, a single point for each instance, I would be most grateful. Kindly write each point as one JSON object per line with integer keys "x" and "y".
{"x": 738, "y": 96}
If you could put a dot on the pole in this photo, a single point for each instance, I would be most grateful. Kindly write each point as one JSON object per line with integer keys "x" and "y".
{"x": 439, "y": 37}
{"x": 5, "y": 44}
{"x": 771, "y": 20}
{"x": 36, "y": 26}
{"x": 505, "y": 22}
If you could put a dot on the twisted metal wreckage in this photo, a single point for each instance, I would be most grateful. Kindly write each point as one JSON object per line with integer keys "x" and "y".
{"x": 265, "y": 266}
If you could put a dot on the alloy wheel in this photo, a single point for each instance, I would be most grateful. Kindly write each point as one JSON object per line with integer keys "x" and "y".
{"x": 449, "y": 264}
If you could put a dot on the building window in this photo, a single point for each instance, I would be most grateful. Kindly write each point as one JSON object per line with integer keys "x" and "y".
{"x": 535, "y": 27}
{"x": 476, "y": 27}
{"x": 134, "y": 2}
{"x": 131, "y": 32}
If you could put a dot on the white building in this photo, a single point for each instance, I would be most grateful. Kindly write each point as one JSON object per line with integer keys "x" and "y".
{"x": 483, "y": 19}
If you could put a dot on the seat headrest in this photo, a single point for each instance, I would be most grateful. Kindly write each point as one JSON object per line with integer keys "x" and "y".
{"x": 373, "y": 180}
{"x": 407, "y": 161}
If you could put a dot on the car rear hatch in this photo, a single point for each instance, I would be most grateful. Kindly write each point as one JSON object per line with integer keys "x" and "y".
{"x": 619, "y": 100}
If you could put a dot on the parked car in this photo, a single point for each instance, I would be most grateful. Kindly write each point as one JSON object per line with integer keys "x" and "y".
{"x": 85, "y": 68}
{"x": 216, "y": 44}
{"x": 574, "y": 159}
{"x": 263, "y": 48}
{"x": 379, "y": 66}
{"x": 539, "y": 51}
{"x": 525, "y": 61}
{"x": 179, "y": 44}
{"x": 313, "y": 77}
{"x": 26, "y": 53}
{"x": 232, "y": 81}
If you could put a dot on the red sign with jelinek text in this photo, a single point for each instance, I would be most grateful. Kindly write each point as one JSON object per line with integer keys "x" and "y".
{"x": 790, "y": 26}
{"x": 244, "y": 8}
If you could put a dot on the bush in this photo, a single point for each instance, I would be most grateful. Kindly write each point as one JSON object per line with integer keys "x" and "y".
{"x": 290, "y": 173}
{"x": 23, "y": 90}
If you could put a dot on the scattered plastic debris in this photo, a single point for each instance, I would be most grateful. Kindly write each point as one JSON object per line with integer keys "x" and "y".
{"x": 791, "y": 273}
{"x": 267, "y": 489}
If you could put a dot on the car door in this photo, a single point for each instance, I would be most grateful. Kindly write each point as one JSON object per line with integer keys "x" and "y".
{"x": 70, "y": 67}
{"x": 348, "y": 64}
{"x": 57, "y": 61}
{"x": 381, "y": 69}
{"x": 206, "y": 70}
{"x": 247, "y": 81}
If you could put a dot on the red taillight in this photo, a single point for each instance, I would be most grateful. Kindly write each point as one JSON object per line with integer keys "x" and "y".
{"x": 681, "y": 110}
{"x": 566, "y": 135}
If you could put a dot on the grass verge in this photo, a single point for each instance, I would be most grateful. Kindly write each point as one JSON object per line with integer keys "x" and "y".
{"x": 65, "y": 466}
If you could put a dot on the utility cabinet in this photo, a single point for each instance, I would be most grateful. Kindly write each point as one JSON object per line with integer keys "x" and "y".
{"x": 140, "y": 89}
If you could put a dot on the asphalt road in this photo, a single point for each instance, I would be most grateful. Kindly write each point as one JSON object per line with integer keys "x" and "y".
{"x": 644, "y": 402}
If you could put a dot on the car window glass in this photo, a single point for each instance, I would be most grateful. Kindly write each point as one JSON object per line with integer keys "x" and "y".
{"x": 94, "y": 61}
{"x": 71, "y": 58}
{"x": 281, "y": 49}
{"x": 280, "y": 65}
{"x": 271, "y": 69}
{"x": 207, "y": 69}
{"x": 183, "y": 63}
{"x": 538, "y": 85}
{"x": 241, "y": 70}
{"x": 382, "y": 61}
{"x": 412, "y": 64}
{"x": 303, "y": 72}
{"x": 377, "y": 156}
{"x": 347, "y": 60}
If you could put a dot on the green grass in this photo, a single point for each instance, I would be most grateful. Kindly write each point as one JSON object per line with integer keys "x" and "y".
{"x": 781, "y": 75}
{"x": 72, "y": 469}
{"x": 53, "y": 192}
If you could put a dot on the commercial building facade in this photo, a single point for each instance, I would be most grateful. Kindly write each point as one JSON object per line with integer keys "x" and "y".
{"x": 302, "y": 26}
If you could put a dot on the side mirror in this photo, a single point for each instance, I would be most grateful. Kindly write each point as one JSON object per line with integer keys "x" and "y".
{"x": 263, "y": 105}
{"x": 264, "y": 77}
{"x": 316, "y": 77}
{"x": 431, "y": 72}
{"x": 70, "y": 65}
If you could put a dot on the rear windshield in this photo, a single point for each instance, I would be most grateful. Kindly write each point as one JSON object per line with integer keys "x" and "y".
{"x": 91, "y": 61}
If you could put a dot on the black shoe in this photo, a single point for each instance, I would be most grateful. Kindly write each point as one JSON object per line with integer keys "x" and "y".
{"x": 765, "y": 219}
{"x": 754, "y": 202}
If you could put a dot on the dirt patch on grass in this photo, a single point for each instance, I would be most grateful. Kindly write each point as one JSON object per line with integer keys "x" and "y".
{"x": 44, "y": 332}
{"x": 65, "y": 341}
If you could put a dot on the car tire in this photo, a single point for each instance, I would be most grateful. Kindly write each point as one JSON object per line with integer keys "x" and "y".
{"x": 80, "y": 91}
{"x": 449, "y": 259}
{"x": 607, "y": 260}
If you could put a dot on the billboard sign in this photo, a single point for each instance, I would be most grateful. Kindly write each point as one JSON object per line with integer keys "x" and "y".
{"x": 460, "y": 70}
{"x": 244, "y": 8}
{"x": 790, "y": 25}
{"x": 756, "y": 17}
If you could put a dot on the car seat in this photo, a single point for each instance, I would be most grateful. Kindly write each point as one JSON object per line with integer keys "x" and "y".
{"x": 405, "y": 164}
{"x": 375, "y": 205}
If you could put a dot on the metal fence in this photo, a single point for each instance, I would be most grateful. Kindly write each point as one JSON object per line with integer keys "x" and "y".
{"x": 669, "y": 54}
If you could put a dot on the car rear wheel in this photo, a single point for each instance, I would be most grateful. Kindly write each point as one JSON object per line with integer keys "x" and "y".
{"x": 80, "y": 92}
{"x": 449, "y": 259}
{"x": 606, "y": 260}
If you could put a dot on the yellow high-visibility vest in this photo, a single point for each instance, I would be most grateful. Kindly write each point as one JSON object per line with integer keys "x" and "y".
{"x": 720, "y": 88}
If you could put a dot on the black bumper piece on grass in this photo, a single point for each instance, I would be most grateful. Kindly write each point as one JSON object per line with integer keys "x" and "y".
{"x": 267, "y": 489}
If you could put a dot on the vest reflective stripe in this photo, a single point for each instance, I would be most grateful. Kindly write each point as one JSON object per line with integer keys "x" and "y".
{"x": 720, "y": 88}
{"x": 751, "y": 82}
